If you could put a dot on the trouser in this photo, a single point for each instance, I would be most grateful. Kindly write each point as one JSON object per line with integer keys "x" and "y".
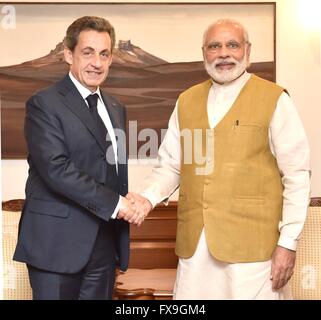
{"x": 203, "y": 277}
{"x": 94, "y": 282}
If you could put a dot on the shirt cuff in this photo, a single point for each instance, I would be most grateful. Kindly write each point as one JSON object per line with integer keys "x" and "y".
{"x": 287, "y": 243}
{"x": 114, "y": 215}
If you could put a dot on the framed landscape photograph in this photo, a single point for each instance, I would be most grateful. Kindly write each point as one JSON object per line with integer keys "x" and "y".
{"x": 157, "y": 56}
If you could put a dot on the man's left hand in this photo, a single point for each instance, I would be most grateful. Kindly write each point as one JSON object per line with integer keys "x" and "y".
{"x": 283, "y": 261}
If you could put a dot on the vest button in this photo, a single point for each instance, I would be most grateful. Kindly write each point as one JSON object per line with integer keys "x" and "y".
{"x": 205, "y": 206}
{"x": 207, "y": 181}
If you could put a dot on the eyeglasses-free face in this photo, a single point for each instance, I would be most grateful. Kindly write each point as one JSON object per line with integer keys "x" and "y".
{"x": 91, "y": 58}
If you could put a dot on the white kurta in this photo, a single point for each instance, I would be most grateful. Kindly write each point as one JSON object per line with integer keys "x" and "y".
{"x": 202, "y": 276}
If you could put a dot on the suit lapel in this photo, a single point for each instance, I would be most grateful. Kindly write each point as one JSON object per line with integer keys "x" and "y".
{"x": 74, "y": 101}
{"x": 117, "y": 121}
{"x": 112, "y": 111}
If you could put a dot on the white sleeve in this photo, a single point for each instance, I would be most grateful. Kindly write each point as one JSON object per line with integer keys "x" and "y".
{"x": 289, "y": 145}
{"x": 114, "y": 215}
{"x": 165, "y": 176}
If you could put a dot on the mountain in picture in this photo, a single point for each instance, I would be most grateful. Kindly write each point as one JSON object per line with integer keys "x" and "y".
{"x": 147, "y": 85}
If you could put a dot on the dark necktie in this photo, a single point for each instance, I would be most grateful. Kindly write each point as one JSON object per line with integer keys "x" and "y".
{"x": 92, "y": 102}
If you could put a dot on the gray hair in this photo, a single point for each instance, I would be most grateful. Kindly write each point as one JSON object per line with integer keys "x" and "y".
{"x": 230, "y": 22}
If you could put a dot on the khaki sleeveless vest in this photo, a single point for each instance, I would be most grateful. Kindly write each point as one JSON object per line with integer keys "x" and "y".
{"x": 230, "y": 183}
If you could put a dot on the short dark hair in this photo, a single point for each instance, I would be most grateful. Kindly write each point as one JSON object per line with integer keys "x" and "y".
{"x": 88, "y": 23}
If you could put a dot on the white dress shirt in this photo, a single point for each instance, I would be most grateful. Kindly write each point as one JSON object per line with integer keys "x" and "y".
{"x": 288, "y": 143}
{"x": 102, "y": 111}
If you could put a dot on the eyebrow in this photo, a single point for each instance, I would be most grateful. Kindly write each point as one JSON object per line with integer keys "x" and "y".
{"x": 92, "y": 49}
{"x": 231, "y": 40}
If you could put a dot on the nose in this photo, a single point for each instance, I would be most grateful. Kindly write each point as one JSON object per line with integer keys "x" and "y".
{"x": 96, "y": 60}
{"x": 224, "y": 52}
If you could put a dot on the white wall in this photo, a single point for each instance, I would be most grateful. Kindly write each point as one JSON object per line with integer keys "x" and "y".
{"x": 14, "y": 176}
{"x": 298, "y": 69}
{"x": 15, "y": 172}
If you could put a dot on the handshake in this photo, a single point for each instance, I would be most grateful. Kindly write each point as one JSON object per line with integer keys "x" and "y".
{"x": 134, "y": 208}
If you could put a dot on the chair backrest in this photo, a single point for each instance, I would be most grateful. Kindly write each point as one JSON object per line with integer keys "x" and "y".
{"x": 305, "y": 283}
{"x": 15, "y": 275}
{"x": 306, "y": 280}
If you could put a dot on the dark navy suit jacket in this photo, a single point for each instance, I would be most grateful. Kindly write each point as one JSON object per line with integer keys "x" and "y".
{"x": 68, "y": 193}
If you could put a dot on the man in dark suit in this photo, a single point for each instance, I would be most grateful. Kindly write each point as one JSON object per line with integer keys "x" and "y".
{"x": 69, "y": 234}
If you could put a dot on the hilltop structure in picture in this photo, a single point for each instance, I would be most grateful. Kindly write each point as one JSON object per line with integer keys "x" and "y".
{"x": 147, "y": 84}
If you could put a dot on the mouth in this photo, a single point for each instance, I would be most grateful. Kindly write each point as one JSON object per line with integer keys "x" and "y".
{"x": 94, "y": 73}
{"x": 225, "y": 65}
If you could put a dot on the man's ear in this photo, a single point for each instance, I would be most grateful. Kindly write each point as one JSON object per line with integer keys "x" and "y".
{"x": 68, "y": 56}
{"x": 248, "y": 51}
{"x": 203, "y": 53}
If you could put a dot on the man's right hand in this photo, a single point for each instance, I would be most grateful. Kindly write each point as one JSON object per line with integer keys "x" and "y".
{"x": 128, "y": 211}
{"x": 143, "y": 206}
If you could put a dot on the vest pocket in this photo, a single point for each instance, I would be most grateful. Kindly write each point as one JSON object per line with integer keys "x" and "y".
{"x": 246, "y": 142}
{"x": 251, "y": 127}
{"x": 249, "y": 201}
{"x": 247, "y": 183}
{"x": 183, "y": 209}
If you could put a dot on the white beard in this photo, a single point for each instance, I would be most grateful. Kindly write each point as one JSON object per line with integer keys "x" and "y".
{"x": 224, "y": 76}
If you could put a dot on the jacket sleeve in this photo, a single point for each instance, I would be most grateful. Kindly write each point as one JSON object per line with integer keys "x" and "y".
{"x": 50, "y": 156}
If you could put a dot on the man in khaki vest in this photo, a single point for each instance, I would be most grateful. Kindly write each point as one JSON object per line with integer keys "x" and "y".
{"x": 236, "y": 147}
